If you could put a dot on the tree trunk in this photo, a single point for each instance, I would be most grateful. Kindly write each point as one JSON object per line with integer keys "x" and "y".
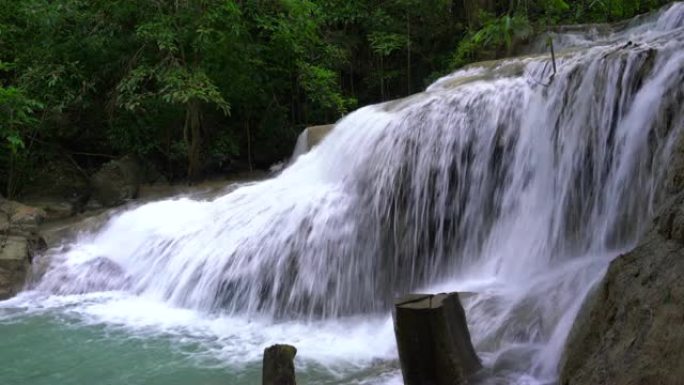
{"x": 249, "y": 143}
{"x": 408, "y": 53}
{"x": 433, "y": 340}
{"x": 278, "y": 366}
{"x": 382, "y": 80}
{"x": 167, "y": 150}
{"x": 473, "y": 8}
{"x": 193, "y": 126}
{"x": 11, "y": 177}
{"x": 351, "y": 76}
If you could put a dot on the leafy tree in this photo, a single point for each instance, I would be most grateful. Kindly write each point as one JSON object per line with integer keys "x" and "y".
{"x": 17, "y": 130}
{"x": 167, "y": 67}
{"x": 497, "y": 34}
{"x": 202, "y": 86}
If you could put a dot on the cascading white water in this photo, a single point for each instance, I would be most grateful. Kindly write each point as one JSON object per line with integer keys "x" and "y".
{"x": 301, "y": 146}
{"x": 504, "y": 181}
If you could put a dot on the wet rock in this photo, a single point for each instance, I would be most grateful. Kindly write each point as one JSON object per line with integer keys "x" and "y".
{"x": 309, "y": 138}
{"x": 433, "y": 340}
{"x": 18, "y": 243}
{"x": 54, "y": 208}
{"x": 4, "y": 222}
{"x": 18, "y": 218}
{"x": 14, "y": 265}
{"x": 316, "y": 134}
{"x": 630, "y": 329}
{"x": 150, "y": 174}
{"x": 278, "y": 366}
{"x": 62, "y": 231}
{"x": 117, "y": 181}
{"x": 59, "y": 183}
{"x": 674, "y": 178}
{"x": 98, "y": 274}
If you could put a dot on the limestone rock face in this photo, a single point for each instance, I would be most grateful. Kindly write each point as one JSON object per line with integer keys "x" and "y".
{"x": 317, "y": 133}
{"x": 631, "y": 330}
{"x": 55, "y": 208}
{"x": 309, "y": 138}
{"x": 14, "y": 264}
{"x": 18, "y": 243}
{"x": 20, "y": 216}
{"x": 117, "y": 181}
{"x": 19, "y": 219}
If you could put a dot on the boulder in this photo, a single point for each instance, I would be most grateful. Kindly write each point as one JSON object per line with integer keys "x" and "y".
{"x": 55, "y": 208}
{"x": 630, "y": 329}
{"x": 433, "y": 340}
{"x": 16, "y": 216}
{"x": 4, "y": 222}
{"x": 18, "y": 243}
{"x": 59, "y": 187}
{"x": 117, "y": 181}
{"x": 98, "y": 274}
{"x": 309, "y": 138}
{"x": 316, "y": 134}
{"x": 673, "y": 182}
{"x": 14, "y": 264}
{"x": 278, "y": 367}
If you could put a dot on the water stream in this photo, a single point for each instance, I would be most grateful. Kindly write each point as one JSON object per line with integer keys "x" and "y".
{"x": 502, "y": 180}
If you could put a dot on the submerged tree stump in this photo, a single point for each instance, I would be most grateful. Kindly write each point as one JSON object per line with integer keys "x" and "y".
{"x": 433, "y": 340}
{"x": 278, "y": 366}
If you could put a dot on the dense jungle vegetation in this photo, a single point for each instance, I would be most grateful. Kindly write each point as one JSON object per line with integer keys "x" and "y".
{"x": 200, "y": 87}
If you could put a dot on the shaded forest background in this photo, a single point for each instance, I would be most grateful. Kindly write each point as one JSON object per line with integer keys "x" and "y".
{"x": 201, "y": 87}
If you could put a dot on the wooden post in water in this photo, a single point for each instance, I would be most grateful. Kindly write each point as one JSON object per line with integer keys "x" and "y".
{"x": 278, "y": 366}
{"x": 433, "y": 340}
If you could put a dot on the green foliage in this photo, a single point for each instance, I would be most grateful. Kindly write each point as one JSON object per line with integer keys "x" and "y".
{"x": 555, "y": 9}
{"x": 384, "y": 44}
{"x": 204, "y": 85}
{"x": 17, "y": 121}
{"x": 174, "y": 85}
{"x": 611, "y": 10}
{"x": 321, "y": 85}
{"x": 496, "y": 34}
{"x": 16, "y": 117}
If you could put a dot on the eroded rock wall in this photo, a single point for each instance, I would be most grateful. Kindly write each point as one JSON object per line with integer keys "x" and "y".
{"x": 631, "y": 329}
{"x": 19, "y": 241}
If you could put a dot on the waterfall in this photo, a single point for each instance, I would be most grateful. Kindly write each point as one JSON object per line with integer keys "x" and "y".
{"x": 502, "y": 179}
{"x": 301, "y": 146}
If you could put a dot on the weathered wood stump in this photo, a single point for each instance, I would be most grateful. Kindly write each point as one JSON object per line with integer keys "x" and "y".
{"x": 433, "y": 340}
{"x": 278, "y": 367}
